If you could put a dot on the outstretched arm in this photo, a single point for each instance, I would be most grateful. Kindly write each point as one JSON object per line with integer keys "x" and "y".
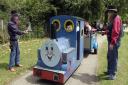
{"x": 13, "y": 28}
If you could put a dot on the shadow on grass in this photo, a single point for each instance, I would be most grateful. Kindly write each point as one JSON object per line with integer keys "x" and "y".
{"x": 35, "y": 80}
{"x": 102, "y": 77}
{"x": 4, "y": 66}
{"x": 86, "y": 78}
{"x": 90, "y": 79}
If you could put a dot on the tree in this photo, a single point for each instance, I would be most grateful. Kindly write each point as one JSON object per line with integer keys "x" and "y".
{"x": 121, "y": 6}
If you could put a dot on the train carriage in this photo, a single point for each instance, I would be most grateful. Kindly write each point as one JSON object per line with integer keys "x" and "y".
{"x": 90, "y": 42}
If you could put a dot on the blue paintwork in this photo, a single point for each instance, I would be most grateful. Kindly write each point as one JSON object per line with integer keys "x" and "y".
{"x": 63, "y": 45}
{"x": 62, "y": 33}
{"x": 93, "y": 41}
{"x": 72, "y": 61}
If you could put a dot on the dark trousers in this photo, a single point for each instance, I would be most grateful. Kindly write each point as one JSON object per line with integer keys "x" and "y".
{"x": 15, "y": 54}
{"x": 112, "y": 59}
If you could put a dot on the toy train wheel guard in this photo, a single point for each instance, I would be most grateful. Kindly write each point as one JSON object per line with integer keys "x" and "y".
{"x": 58, "y": 58}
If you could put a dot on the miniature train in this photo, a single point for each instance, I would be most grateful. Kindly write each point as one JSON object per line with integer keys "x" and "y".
{"x": 61, "y": 55}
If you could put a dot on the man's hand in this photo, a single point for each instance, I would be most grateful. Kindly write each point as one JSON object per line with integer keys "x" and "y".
{"x": 102, "y": 32}
{"x": 111, "y": 47}
{"x": 25, "y": 32}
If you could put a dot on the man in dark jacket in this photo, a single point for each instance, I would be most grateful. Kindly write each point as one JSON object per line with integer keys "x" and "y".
{"x": 14, "y": 31}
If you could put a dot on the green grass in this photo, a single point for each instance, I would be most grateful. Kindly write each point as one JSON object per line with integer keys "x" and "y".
{"x": 122, "y": 74}
{"x": 28, "y": 57}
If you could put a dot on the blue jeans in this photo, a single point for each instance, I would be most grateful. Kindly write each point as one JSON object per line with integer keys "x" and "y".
{"x": 112, "y": 59}
{"x": 15, "y": 54}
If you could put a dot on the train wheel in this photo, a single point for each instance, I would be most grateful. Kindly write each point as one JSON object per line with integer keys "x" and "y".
{"x": 95, "y": 51}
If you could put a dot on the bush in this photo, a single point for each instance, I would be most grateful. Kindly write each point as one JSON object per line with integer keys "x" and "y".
{"x": 38, "y": 12}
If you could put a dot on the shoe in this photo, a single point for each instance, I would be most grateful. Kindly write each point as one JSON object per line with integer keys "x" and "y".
{"x": 12, "y": 69}
{"x": 111, "y": 77}
{"x": 19, "y": 65}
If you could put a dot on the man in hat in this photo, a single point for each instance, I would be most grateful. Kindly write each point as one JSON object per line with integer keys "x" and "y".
{"x": 113, "y": 31}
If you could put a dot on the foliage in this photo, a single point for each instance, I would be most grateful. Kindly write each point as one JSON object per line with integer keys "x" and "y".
{"x": 39, "y": 11}
{"x": 121, "y": 6}
{"x": 81, "y": 8}
{"x": 42, "y": 10}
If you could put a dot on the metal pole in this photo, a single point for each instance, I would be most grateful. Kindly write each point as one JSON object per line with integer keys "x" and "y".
{"x": 2, "y": 27}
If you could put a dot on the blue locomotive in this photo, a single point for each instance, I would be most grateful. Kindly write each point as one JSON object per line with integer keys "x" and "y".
{"x": 61, "y": 55}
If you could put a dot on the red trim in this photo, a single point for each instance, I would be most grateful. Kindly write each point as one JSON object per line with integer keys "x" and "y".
{"x": 48, "y": 75}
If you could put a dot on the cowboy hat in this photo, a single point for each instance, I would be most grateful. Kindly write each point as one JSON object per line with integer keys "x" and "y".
{"x": 111, "y": 9}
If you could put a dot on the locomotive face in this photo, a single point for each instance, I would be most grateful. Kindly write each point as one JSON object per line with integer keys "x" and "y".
{"x": 50, "y": 54}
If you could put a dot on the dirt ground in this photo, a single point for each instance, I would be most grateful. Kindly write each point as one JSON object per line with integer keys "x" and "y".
{"x": 84, "y": 75}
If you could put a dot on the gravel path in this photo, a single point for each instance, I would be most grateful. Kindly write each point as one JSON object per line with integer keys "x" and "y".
{"x": 85, "y": 74}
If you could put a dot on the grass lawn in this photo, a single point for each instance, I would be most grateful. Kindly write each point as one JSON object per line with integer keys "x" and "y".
{"x": 28, "y": 52}
{"x": 122, "y": 74}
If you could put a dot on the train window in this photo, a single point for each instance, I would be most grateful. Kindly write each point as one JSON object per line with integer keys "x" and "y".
{"x": 51, "y": 48}
{"x": 69, "y": 25}
{"x": 46, "y": 48}
{"x": 78, "y": 26}
{"x": 56, "y": 25}
{"x": 82, "y": 32}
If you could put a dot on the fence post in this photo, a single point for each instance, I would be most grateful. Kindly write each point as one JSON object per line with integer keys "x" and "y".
{"x": 2, "y": 27}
